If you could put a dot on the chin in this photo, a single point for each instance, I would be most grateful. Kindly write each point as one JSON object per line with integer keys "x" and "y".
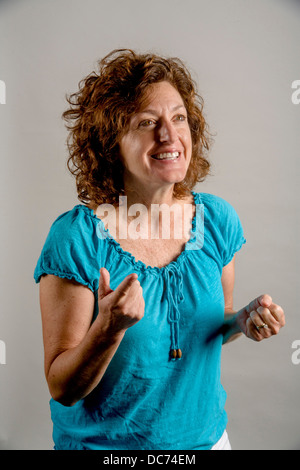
{"x": 175, "y": 179}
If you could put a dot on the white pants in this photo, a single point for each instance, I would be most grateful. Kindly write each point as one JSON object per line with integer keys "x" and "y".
{"x": 223, "y": 443}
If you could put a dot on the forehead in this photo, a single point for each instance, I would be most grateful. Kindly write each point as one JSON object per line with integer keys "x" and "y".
{"x": 160, "y": 94}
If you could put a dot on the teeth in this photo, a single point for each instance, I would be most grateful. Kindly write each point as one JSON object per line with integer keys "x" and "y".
{"x": 166, "y": 156}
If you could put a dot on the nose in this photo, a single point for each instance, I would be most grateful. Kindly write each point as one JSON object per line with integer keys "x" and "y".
{"x": 166, "y": 132}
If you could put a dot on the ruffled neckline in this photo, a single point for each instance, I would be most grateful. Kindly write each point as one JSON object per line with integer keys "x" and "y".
{"x": 138, "y": 264}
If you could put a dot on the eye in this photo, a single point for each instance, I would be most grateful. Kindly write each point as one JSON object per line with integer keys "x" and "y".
{"x": 180, "y": 117}
{"x": 146, "y": 123}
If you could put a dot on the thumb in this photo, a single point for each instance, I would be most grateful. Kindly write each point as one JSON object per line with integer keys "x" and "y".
{"x": 265, "y": 300}
{"x": 262, "y": 301}
{"x": 104, "y": 287}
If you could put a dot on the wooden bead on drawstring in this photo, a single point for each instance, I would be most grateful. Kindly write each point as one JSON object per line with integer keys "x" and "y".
{"x": 173, "y": 353}
{"x": 176, "y": 354}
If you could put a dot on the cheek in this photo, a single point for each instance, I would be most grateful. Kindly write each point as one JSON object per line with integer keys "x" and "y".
{"x": 126, "y": 150}
{"x": 130, "y": 153}
{"x": 132, "y": 148}
{"x": 186, "y": 139}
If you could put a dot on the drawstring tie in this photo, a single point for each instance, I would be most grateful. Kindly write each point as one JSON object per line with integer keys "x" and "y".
{"x": 174, "y": 293}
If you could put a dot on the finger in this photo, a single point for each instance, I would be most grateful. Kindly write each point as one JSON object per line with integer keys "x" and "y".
{"x": 267, "y": 317}
{"x": 257, "y": 320}
{"x": 255, "y": 330}
{"x": 273, "y": 316}
{"x": 139, "y": 297}
{"x": 263, "y": 300}
{"x": 251, "y": 331}
{"x": 278, "y": 313}
{"x": 125, "y": 286}
{"x": 104, "y": 287}
{"x": 265, "y": 322}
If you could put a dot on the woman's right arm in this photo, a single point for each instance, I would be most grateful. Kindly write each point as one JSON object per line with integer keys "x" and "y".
{"x": 77, "y": 351}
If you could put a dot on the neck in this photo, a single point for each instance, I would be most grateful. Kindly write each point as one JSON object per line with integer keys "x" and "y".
{"x": 148, "y": 196}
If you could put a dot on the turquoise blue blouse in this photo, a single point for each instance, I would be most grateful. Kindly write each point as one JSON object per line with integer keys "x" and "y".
{"x": 146, "y": 399}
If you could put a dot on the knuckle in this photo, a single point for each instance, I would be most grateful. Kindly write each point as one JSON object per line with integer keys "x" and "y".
{"x": 269, "y": 332}
{"x": 279, "y": 313}
{"x": 275, "y": 329}
{"x": 281, "y": 317}
{"x": 118, "y": 311}
{"x": 258, "y": 338}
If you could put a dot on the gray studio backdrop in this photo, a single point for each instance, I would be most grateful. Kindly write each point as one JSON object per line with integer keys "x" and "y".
{"x": 244, "y": 55}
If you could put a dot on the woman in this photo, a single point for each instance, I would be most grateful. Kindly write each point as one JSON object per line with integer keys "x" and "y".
{"x": 133, "y": 326}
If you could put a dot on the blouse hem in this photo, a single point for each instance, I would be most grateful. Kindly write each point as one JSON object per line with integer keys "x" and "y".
{"x": 234, "y": 251}
{"x": 69, "y": 276}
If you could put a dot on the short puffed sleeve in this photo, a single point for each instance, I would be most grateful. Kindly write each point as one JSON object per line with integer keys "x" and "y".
{"x": 70, "y": 249}
{"x": 223, "y": 230}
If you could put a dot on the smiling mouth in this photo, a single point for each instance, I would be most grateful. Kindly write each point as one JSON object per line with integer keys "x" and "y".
{"x": 166, "y": 156}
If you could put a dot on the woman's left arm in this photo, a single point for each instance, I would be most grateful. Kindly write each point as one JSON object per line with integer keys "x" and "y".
{"x": 258, "y": 320}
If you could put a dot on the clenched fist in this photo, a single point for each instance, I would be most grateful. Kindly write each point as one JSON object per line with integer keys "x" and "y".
{"x": 261, "y": 318}
{"x": 121, "y": 308}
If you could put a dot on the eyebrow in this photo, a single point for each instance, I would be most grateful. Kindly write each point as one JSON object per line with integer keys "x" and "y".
{"x": 152, "y": 111}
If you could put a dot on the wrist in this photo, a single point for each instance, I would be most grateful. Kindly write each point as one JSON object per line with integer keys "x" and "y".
{"x": 231, "y": 327}
{"x": 105, "y": 333}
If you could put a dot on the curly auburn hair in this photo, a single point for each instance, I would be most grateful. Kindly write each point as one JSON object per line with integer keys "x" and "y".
{"x": 100, "y": 112}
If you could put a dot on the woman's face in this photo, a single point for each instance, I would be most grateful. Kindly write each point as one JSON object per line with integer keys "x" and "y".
{"x": 157, "y": 148}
